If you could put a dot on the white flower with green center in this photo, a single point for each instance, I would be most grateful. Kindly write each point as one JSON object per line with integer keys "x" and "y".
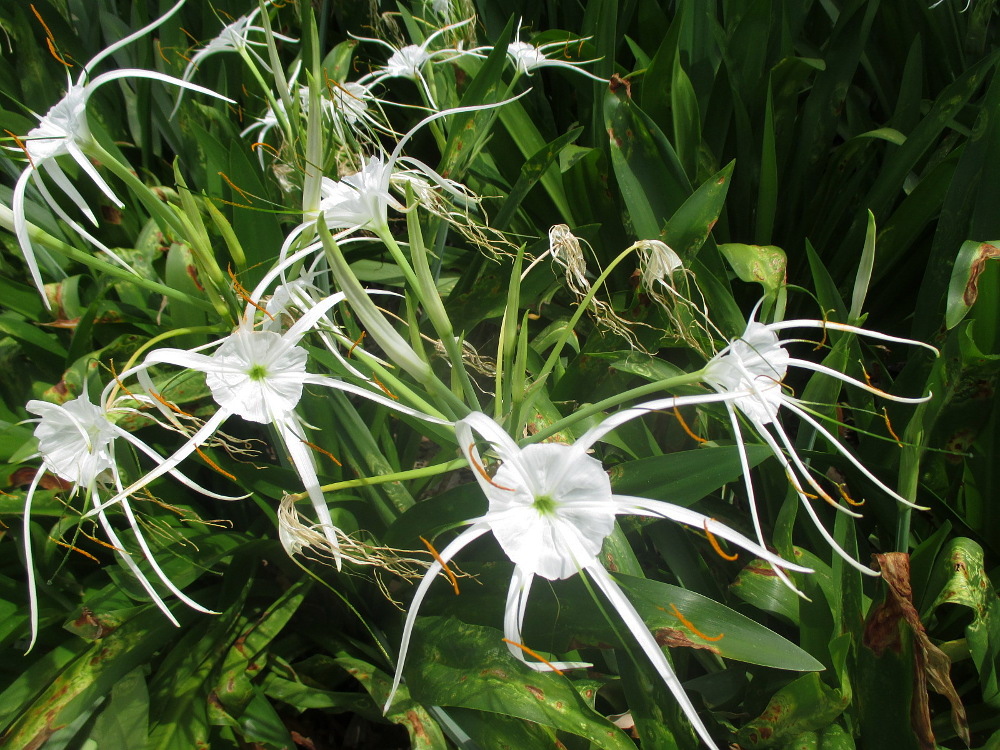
{"x": 76, "y": 443}
{"x": 528, "y": 58}
{"x": 756, "y": 364}
{"x": 550, "y": 508}
{"x": 361, "y": 201}
{"x": 409, "y": 61}
{"x": 63, "y": 131}
{"x": 260, "y": 376}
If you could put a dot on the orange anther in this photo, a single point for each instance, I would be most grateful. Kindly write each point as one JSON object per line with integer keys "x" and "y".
{"x": 482, "y": 471}
{"x": 75, "y": 549}
{"x": 214, "y": 465}
{"x": 20, "y": 145}
{"x": 715, "y": 543}
{"x": 684, "y": 426}
{"x": 173, "y": 407}
{"x": 385, "y": 390}
{"x": 355, "y": 344}
{"x": 243, "y": 293}
{"x": 246, "y": 196}
{"x": 261, "y": 144}
{"x": 690, "y": 626}
{"x": 531, "y": 652}
{"x": 443, "y": 564}
{"x": 848, "y": 498}
{"x": 888, "y": 426}
{"x": 324, "y": 451}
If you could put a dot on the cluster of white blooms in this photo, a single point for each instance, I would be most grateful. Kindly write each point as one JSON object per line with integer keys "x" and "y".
{"x": 551, "y": 506}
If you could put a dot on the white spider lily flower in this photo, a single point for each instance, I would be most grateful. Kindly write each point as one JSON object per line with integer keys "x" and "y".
{"x": 362, "y": 200}
{"x": 528, "y": 58}
{"x": 409, "y": 61}
{"x": 76, "y": 443}
{"x": 64, "y": 130}
{"x": 234, "y": 37}
{"x": 550, "y": 508}
{"x": 260, "y": 376}
{"x": 756, "y": 364}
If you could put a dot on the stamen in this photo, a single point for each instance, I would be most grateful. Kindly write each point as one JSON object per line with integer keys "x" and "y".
{"x": 121, "y": 385}
{"x": 535, "y": 654}
{"x": 482, "y": 471}
{"x": 690, "y": 626}
{"x": 190, "y": 35}
{"x": 848, "y": 498}
{"x": 888, "y": 426}
{"x": 24, "y": 148}
{"x": 233, "y": 203}
{"x": 246, "y": 196}
{"x": 52, "y": 50}
{"x": 243, "y": 293}
{"x": 75, "y": 549}
{"x": 864, "y": 371}
{"x": 684, "y": 426}
{"x": 181, "y": 55}
{"x": 159, "y": 49}
{"x": 355, "y": 344}
{"x": 261, "y": 144}
{"x": 214, "y": 465}
{"x": 822, "y": 341}
{"x": 103, "y": 543}
{"x": 324, "y": 451}
{"x": 715, "y": 543}
{"x": 443, "y": 564}
{"x": 173, "y": 407}
{"x": 48, "y": 31}
{"x": 385, "y": 390}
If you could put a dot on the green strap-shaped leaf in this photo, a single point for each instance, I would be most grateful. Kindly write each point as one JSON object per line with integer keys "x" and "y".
{"x": 425, "y": 734}
{"x": 805, "y": 705}
{"x": 455, "y": 664}
{"x": 651, "y": 178}
{"x": 88, "y": 678}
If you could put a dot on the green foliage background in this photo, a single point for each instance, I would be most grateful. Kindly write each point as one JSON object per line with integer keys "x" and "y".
{"x": 778, "y": 147}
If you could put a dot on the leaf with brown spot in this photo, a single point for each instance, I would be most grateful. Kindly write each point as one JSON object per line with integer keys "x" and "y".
{"x": 457, "y": 665}
{"x": 674, "y": 638}
{"x": 425, "y": 734}
{"x": 963, "y": 289}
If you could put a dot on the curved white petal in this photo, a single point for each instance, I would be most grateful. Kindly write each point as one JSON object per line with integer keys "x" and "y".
{"x": 847, "y": 454}
{"x": 849, "y": 329}
{"x": 457, "y": 544}
{"x": 167, "y": 464}
{"x": 29, "y": 561}
{"x": 660, "y": 509}
{"x": 649, "y": 647}
{"x": 126, "y": 558}
{"x": 807, "y": 365}
{"x": 591, "y": 436}
{"x": 21, "y": 232}
{"x": 290, "y": 432}
{"x": 107, "y": 51}
{"x": 517, "y": 601}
